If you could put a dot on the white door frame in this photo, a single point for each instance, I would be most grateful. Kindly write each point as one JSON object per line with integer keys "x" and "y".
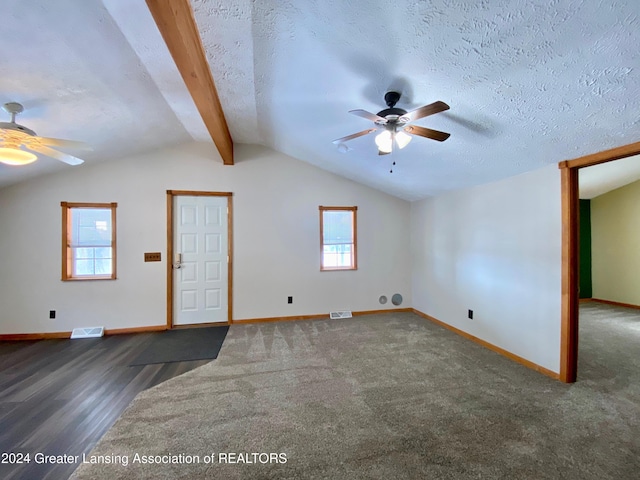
{"x": 170, "y": 197}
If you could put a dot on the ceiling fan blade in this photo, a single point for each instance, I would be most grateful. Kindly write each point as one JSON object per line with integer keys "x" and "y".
{"x": 354, "y": 135}
{"x": 380, "y": 152}
{"x": 58, "y": 142}
{"x": 427, "y": 132}
{"x": 50, "y": 152}
{"x": 427, "y": 110}
{"x": 369, "y": 116}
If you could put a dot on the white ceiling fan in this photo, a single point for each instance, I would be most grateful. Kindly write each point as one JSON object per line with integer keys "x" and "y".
{"x": 15, "y": 138}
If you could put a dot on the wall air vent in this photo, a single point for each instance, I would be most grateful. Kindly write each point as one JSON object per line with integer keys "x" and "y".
{"x": 342, "y": 314}
{"x": 89, "y": 332}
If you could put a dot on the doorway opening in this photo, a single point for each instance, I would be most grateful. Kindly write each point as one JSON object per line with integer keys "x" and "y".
{"x": 570, "y": 237}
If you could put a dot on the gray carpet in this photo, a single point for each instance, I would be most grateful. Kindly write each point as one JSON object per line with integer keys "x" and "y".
{"x": 388, "y": 396}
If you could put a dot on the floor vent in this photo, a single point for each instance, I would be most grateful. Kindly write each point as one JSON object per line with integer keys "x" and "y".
{"x": 90, "y": 332}
{"x": 343, "y": 314}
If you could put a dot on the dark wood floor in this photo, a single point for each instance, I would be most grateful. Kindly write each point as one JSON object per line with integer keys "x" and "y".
{"x": 60, "y": 396}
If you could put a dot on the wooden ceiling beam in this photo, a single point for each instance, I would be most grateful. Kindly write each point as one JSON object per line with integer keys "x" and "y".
{"x": 177, "y": 24}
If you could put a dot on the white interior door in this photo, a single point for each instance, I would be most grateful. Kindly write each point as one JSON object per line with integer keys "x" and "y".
{"x": 200, "y": 246}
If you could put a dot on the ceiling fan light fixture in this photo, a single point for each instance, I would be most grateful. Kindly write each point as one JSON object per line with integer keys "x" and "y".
{"x": 15, "y": 156}
{"x": 384, "y": 141}
{"x": 402, "y": 139}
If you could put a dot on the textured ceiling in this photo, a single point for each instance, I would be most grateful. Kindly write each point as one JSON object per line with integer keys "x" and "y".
{"x": 529, "y": 83}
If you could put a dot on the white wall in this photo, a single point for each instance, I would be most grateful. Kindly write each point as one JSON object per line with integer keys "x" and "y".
{"x": 494, "y": 249}
{"x": 276, "y": 240}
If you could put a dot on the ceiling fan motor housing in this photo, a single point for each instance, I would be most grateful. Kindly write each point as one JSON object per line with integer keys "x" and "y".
{"x": 16, "y": 127}
{"x": 391, "y": 98}
{"x": 392, "y": 111}
{"x": 14, "y": 108}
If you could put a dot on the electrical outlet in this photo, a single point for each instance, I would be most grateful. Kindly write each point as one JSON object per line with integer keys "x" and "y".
{"x": 471, "y": 314}
{"x": 52, "y": 314}
{"x": 152, "y": 257}
{"x": 289, "y": 299}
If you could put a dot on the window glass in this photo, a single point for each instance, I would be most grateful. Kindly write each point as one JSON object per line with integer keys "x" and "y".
{"x": 89, "y": 241}
{"x": 338, "y": 238}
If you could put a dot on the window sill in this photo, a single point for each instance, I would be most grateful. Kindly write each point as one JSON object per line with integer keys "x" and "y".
{"x": 85, "y": 279}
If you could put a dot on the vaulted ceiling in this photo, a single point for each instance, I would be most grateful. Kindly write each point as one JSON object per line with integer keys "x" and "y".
{"x": 529, "y": 83}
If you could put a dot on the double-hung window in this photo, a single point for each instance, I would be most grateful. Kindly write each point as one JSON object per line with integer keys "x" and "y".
{"x": 88, "y": 241}
{"x": 338, "y": 238}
